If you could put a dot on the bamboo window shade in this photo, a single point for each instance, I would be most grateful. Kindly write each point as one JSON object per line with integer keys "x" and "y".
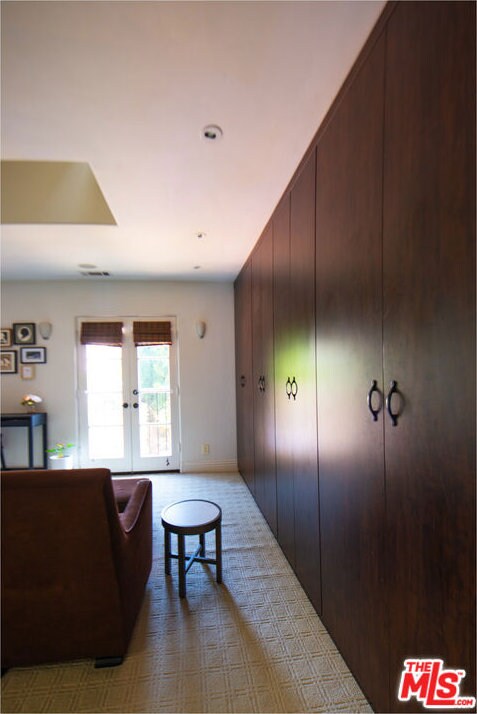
{"x": 152, "y": 333}
{"x": 102, "y": 333}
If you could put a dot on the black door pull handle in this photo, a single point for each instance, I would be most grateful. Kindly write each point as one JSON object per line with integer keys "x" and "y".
{"x": 393, "y": 415}
{"x": 294, "y": 388}
{"x": 243, "y": 381}
{"x": 374, "y": 389}
{"x": 125, "y": 405}
{"x": 288, "y": 388}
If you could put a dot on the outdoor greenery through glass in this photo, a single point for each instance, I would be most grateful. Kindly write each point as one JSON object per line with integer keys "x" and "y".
{"x": 153, "y": 366}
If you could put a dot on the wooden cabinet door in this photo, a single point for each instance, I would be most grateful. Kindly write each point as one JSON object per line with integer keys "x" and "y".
{"x": 429, "y": 334}
{"x": 349, "y": 359}
{"x": 283, "y": 428}
{"x": 295, "y": 381}
{"x": 263, "y": 376}
{"x": 244, "y": 377}
{"x": 302, "y": 404}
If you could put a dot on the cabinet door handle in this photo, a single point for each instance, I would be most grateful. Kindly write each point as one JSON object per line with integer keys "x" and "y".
{"x": 243, "y": 381}
{"x": 135, "y": 405}
{"x": 294, "y": 388}
{"x": 393, "y": 415}
{"x": 288, "y": 388}
{"x": 261, "y": 383}
{"x": 374, "y": 388}
{"x": 125, "y": 405}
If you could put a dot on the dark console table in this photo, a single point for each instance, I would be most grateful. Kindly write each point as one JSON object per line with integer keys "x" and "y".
{"x": 28, "y": 421}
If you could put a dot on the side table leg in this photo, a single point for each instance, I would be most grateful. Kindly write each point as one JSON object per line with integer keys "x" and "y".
{"x": 182, "y": 574}
{"x": 218, "y": 552}
{"x": 167, "y": 551}
{"x": 44, "y": 431}
{"x": 30, "y": 446}
{"x": 202, "y": 545}
{"x": 4, "y": 466}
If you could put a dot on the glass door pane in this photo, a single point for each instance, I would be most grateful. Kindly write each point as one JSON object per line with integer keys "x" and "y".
{"x": 104, "y": 390}
{"x": 154, "y": 404}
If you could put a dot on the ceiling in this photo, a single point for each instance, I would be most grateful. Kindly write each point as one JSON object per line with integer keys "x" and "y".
{"x": 128, "y": 86}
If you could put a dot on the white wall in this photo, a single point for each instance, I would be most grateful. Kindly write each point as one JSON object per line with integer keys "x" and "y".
{"x": 206, "y": 367}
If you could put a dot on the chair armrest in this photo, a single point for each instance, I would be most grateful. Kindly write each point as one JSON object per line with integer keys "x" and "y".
{"x": 132, "y": 544}
{"x": 128, "y": 518}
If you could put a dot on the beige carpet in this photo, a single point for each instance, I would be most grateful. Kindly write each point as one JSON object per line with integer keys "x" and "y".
{"x": 253, "y": 644}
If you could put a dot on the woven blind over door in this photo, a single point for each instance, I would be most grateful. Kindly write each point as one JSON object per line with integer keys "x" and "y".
{"x": 152, "y": 333}
{"x": 102, "y": 333}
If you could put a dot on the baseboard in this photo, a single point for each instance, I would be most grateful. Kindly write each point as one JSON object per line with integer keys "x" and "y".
{"x": 209, "y": 466}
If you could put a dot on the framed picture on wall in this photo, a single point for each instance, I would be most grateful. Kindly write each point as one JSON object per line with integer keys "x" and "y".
{"x": 33, "y": 355}
{"x": 27, "y": 371}
{"x": 5, "y": 337}
{"x": 24, "y": 333}
{"x": 8, "y": 361}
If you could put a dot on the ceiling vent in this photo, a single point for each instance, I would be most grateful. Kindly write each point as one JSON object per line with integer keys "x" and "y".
{"x": 95, "y": 273}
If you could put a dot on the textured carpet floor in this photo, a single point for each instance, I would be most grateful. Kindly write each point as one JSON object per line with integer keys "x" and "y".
{"x": 252, "y": 644}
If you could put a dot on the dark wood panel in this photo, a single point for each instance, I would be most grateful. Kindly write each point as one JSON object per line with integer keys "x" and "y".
{"x": 263, "y": 377}
{"x": 349, "y": 358}
{"x": 244, "y": 377}
{"x": 429, "y": 333}
{"x": 284, "y": 433}
{"x": 302, "y": 409}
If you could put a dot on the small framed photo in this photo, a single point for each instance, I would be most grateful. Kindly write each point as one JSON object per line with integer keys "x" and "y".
{"x": 5, "y": 337}
{"x": 27, "y": 371}
{"x": 24, "y": 333}
{"x": 8, "y": 361}
{"x": 33, "y": 355}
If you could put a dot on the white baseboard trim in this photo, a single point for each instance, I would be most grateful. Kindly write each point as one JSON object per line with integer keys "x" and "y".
{"x": 209, "y": 466}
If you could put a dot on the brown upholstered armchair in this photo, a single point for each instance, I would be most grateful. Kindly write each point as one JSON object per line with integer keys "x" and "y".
{"x": 74, "y": 568}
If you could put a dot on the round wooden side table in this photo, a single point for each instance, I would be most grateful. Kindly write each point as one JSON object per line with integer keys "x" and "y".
{"x": 192, "y": 517}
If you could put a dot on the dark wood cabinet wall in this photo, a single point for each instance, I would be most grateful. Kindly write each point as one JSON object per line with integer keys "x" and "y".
{"x": 263, "y": 404}
{"x": 295, "y": 380}
{"x": 243, "y": 370}
{"x": 355, "y": 331}
{"x": 429, "y": 332}
{"x": 349, "y": 360}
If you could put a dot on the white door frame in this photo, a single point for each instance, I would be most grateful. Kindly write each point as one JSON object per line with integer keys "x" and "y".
{"x": 129, "y": 464}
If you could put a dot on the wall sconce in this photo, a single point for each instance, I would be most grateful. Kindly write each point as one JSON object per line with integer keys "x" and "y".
{"x": 200, "y": 328}
{"x": 45, "y": 329}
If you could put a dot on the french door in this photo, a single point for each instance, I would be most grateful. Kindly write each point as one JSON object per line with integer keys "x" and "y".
{"x": 128, "y": 404}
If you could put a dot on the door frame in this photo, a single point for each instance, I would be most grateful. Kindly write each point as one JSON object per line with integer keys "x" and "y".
{"x": 80, "y": 376}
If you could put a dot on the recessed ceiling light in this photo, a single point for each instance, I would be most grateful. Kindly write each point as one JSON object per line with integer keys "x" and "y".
{"x": 212, "y": 132}
{"x": 201, "y": 235}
